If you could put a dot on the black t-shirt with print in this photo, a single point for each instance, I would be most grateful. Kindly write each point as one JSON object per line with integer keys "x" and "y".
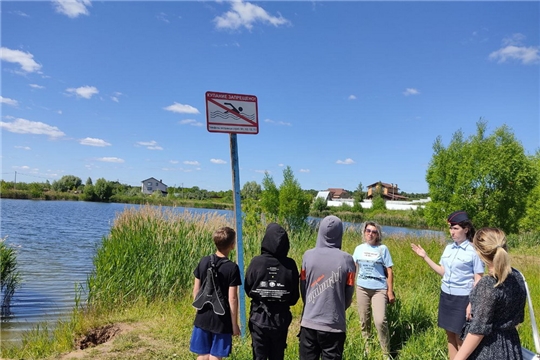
{"x": 228, "y": 275}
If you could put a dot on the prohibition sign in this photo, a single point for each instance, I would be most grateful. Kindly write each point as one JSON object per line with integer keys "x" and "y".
{"x": 231, "y": 113}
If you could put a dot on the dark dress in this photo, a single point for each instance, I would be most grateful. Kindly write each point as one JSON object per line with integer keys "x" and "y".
{"x": 496, "y": 311}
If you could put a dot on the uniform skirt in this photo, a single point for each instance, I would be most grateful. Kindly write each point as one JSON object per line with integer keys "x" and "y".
{"x": 452, "y": 312}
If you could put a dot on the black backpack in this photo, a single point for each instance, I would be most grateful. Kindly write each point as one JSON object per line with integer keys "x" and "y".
{"x": 210, "y": 292}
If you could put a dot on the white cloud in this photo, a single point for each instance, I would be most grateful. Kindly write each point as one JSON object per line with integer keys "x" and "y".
{"x": 515, "y": 39}
{"x": 245, "y": 14}
{"x": 347, "y": 161}
{"x": 72, "y": 8}
{"x": 218, "y": 161}
{"x": 150, "y": 145}
{"x": 527, "y": 55}
{"x": 94, "y": 142}
{"x": 110, "y": 159}
{"x": 20, "y": 13}
{"x": 162, "y": 17}
{"x": 187, "y": 162}
{"x": 23, "y": 147}
{"x": 411, "y": 91}
{"x": 191, "y": 122}
{"x": 182, "y": 109}
{"x": 23, "y": 126}
{"x": 24, "y": 59}
{"x": 262, "y": 171}
{"x": 8, "y": 101}
{"x": 281, "y": 165}
{"x": 116, "y": 96}
{"x": 84, "y": 91}
{"x": 283, "y": 123}
{"x": 36, "y": 86}
{"x": 352, "y": 97}
{"x": 304, "y": 170}
{"x": 174, "y": 161}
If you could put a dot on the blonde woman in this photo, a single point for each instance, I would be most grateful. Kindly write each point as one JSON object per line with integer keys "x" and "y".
{"x": 374, "y": 283}
{"x": 497, "y": 303}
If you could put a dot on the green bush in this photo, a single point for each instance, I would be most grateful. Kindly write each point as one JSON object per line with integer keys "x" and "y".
{"x": 9, "y": 275}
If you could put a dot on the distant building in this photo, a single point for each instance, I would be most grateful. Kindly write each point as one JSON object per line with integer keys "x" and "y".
{"x": 150, "y": 185}
{"x": 336, "y": 193}
{"x": 388, "y": 191}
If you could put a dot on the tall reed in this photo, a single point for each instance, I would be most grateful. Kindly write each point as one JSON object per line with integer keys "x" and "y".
{"x": 150, "y": 253}
{"x": 10, "y": 277}
{"x": 147, "y": 262}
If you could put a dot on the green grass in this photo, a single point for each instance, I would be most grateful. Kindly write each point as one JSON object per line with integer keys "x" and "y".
{"x": 143, "y": 278}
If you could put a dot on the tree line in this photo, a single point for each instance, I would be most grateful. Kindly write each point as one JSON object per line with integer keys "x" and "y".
{"x": 488, "y": 175}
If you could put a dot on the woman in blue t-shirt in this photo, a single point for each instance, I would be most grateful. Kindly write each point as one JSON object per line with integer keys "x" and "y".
{"x": 374, "y": 283}
{"x": 460, "y": 268}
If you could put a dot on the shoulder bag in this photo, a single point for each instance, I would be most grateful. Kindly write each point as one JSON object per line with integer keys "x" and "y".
{"x": 527, "y": 354}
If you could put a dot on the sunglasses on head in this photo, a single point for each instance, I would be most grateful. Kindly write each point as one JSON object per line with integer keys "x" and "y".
{"x": 374, "y": 232}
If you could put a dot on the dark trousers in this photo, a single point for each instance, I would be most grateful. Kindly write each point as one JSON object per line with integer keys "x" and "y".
{"x": 268, "y": 344}
{"x": 315, "y": 344}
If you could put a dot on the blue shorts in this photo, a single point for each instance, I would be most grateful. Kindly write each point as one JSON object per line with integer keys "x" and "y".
{"x": 204, "y": 342}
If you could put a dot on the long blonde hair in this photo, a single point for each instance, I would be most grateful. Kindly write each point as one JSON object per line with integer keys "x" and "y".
{"x": 490, "y": 244}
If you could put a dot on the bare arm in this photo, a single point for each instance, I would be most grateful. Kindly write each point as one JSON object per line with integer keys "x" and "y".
{"x": 477, "y": 278}
{"x": 233, "y": 304}
{"x": 390, "y": 285}
{"x": 471, "y": 342}
{"x": 196, "y": 287}
{"x": 422, "y": 253}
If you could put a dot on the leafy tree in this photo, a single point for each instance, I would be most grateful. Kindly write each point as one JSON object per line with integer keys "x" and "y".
{"x": 320, "y": 204}
{"x": 377, "y": 201}
{"x": 36, "y": 189}
{"x": 103, "y": 190}
{"x": 88, "y": 181}
{"x": 251, "y": 190}
{"x": 531, "y": 220}
{"x": 358, "y": 196}
{"x": 270, "y": 196}
{"x": 67, "y": 183}
{"x": 89, "y": 193}
{"x": 293, "y": 202}
{"x": 487, "y": 176}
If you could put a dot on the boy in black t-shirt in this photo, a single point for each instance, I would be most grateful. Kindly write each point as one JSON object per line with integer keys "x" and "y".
{"x": 212, "y": 333}
{"x": 272, "y": 283}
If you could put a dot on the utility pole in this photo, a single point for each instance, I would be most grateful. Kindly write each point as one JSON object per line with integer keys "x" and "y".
{"x": 15, "y": 183}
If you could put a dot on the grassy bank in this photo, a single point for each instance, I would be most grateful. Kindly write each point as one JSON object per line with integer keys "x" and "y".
{"x": 143, "y": 280}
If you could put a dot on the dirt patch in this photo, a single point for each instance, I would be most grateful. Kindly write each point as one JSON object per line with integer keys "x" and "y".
{"x": 97, "y": 336}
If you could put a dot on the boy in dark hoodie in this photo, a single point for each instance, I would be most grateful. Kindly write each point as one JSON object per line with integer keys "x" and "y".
{"x": 327, "y": 288}
{"x": 272, "y": 284}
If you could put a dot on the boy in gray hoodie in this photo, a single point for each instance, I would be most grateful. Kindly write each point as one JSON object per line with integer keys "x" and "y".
{"x": 327, "y": 288}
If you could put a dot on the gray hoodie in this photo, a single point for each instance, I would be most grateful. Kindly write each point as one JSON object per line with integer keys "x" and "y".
{"x": 327, "y": 280}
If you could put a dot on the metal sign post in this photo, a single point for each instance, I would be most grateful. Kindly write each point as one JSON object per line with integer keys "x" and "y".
{"x": 238, "y": 220}
{"x": 234, "y": 113}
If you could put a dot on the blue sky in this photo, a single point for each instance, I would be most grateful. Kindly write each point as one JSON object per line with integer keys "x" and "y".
{"x": 347, "y": 92}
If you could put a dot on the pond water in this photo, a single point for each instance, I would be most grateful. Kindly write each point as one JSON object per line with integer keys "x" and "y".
{"x": 55, "y": 242}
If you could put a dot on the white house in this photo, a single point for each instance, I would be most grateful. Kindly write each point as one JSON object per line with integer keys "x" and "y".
{"x": 150, "y": 185}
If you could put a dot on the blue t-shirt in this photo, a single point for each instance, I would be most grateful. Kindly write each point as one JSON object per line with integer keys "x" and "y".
{"x": 460, "y": 263}
{"x": 371, "y": 261}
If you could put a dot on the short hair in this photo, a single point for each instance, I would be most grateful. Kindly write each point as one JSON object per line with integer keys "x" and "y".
{"x": 490, "y": 245}
{"x": 224, "y": 237}
{"x": 377, "y": 226}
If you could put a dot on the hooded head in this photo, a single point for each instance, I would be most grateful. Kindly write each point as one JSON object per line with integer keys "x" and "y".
{"x": 330, "y": 232}
{"x": 275, "y": 241}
